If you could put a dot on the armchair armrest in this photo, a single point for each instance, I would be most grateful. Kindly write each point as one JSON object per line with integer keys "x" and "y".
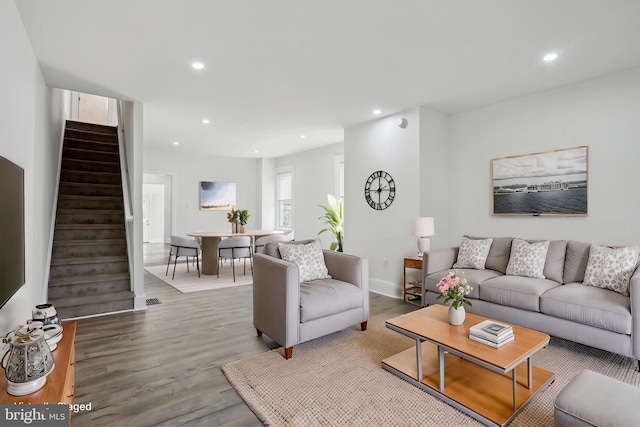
{"x": 351, "y": 269}
{"x": 634, "y": 292}
{"x": 276, "y": 299}
{"x": 348, "y": 268}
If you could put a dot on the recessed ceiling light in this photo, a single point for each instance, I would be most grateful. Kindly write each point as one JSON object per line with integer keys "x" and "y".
{"x": 255, "y": 151}
{"x": 176, "y": 143}
{"x": 198, "y": 65}
{"x": 303, "y": 136}
{"x": 376, "y": 112}
{"x": 550, "y": 57}
{"x": 205, "y": 121}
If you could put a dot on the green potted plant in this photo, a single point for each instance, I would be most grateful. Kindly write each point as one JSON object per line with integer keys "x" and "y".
{"x": 232, "y": 217}
{"x": 334, "y": 220}
{"x": 243, "y": 217}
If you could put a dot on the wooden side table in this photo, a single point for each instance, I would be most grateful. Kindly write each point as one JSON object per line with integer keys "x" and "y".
{"x": 59, "y": 387}
{"x": 412, "y": 292}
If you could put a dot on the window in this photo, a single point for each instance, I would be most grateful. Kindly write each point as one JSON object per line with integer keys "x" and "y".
{"x": 284, "y": 195}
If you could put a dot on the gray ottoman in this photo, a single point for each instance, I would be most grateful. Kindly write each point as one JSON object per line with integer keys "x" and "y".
{"x": 592, "y": 399}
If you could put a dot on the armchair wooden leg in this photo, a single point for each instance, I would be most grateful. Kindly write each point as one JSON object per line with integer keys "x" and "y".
{"x": 363, "y": 325}
{"x": 288, "y": 352}
{"x": 259, "y": 332}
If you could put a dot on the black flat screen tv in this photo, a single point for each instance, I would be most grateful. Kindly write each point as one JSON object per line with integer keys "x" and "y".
{"x": 11, "y": 229}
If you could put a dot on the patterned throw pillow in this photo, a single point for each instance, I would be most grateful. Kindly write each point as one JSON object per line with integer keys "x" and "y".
{"x": 473, "y": 253}
{"x": 610, "y": 268}
{"x": 308, "y": 258}
{"x": 527, "y": 259}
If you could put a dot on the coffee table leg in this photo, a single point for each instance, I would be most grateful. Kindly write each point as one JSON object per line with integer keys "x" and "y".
{"x": 529, "y": 373}
{"x": 419, "y": 358}
{"x": 441, "y": 368}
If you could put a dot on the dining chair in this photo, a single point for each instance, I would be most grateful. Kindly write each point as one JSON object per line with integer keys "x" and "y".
{"x": 186, "y": 247}
{"x": 235, "y": 248}
{"x": 261, "y": 241}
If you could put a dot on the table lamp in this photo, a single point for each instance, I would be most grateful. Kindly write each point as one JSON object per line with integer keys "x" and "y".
{"x": 423, "y": 228}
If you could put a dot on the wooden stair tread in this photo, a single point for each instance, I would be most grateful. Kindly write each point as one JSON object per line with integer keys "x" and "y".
{"x": 90, "y": 278}
{"x": 88, "y": 260}
{"x": 91, "y": 128}
{"x": 89, "y": 184}
{"x": 86, "y": 161}
{"x": 92, "y": 141}
{"x": 88, "y": 226}
{"x": 93, "y": 211}
{"x": 92, "y": 299}
{"x": 89, "y": 172}
{"x": 97, "y": 242}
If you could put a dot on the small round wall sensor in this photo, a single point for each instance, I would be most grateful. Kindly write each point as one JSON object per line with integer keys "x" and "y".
{"x": 402, "y": 122}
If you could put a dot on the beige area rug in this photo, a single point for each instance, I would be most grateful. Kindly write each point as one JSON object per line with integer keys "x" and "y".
{"x": 338, "y": 381}
{"x": 190, "y": 282}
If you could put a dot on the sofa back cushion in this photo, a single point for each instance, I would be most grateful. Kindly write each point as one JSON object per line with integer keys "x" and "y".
{"x": 554, "y": 264}
{"x": 498, "y": 256}
{"x": 575, "y": 261}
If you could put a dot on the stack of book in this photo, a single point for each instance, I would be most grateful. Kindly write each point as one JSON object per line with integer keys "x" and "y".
{"x": 491, "y": 333}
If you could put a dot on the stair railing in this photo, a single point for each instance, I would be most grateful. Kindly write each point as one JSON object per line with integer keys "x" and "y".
{"x": 126, "y": 187}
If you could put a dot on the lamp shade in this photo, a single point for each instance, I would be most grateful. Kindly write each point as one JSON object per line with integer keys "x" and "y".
{"x": 423, "y": 226}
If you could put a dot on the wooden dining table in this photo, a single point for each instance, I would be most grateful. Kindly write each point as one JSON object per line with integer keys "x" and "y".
{"x": 211, "y": 239}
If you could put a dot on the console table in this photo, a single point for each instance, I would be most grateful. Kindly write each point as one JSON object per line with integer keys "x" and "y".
{"x": 59, "y": 387}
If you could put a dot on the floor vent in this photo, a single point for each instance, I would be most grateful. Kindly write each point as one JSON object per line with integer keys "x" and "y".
{"x": 153, "y": 301}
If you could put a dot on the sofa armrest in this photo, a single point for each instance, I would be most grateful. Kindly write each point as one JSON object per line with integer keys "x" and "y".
{"x": 438, "y": 260}
{"x": 634, "y": 291}
{"x": 276, "y": 299}
{"x": 351, "y": 269}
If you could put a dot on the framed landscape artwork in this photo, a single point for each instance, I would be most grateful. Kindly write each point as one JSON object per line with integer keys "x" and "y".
{"x": 217, "y": 196}
{"x": 550, "y": 183}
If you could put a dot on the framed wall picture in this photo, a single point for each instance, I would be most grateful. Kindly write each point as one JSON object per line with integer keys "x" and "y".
{"x": 217, "y": 196}
{"x": 549, "y": 183}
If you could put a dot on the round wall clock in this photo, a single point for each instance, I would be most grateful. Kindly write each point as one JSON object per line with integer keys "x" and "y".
{"x": 380, "y": 190}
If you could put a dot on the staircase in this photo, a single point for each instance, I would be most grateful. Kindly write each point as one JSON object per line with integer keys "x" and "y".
{"x": 89, "y": 266}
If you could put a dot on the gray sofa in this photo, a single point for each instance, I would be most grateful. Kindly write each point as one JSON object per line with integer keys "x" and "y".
{"x": 559, "y": 305}
{"x": 290, "y": 312}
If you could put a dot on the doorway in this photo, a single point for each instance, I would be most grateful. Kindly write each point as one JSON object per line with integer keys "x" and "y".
{"x": 156, "y": 208}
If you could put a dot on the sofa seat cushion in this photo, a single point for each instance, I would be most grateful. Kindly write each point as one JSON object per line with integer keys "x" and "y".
{"x": 516, "y": 291}
{"x": 324, "y": 297}
{"x": 589, "y": 305}
{"x": 474, "y": 277}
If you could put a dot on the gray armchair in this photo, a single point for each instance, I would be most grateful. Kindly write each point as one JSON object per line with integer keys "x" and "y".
{"x": 290, "y": 312}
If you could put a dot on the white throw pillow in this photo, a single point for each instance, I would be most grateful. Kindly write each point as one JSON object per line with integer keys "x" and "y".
{"x": 610, "y": 268}
{"x": 473, "y": 253}
{"x": 308, "y": 257}
{"x": 527, "y": 259}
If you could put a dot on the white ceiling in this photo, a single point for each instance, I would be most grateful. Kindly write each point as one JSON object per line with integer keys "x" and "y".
{"x": 279, "y": 69}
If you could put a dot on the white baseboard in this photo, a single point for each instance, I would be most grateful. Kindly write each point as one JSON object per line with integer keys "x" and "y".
{"x": 385, "y": 288}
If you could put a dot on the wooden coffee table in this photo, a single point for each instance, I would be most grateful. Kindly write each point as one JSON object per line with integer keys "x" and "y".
{"x": 491, "y": 385}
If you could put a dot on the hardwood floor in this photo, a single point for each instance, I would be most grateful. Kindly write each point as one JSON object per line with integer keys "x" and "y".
{"x": 162, "y": 366}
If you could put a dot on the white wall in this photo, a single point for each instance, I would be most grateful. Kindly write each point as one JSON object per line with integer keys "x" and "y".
{"x": 435, "y": 185}
{"x": 602, "y": 113}
{"x": 188, "y": 170}
{"x": 312, "y": 181}
{"x": 266, "y": 194}
{"x": 31, "y": 121}
{"x": 384, "y": 237}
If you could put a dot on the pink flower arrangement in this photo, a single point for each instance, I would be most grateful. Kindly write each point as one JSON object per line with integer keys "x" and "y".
{"x": 454, "y": 288}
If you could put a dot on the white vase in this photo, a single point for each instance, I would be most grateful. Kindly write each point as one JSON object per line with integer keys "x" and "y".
{"x": 456, "y": 316}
